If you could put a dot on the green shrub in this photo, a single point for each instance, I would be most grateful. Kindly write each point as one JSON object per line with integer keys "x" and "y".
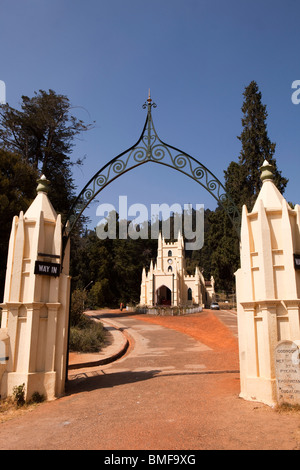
{"x": 86, "y": 335}
{"x": 37, "y": 397}
{"x": 19, "y": 395}
{"x": 87, "y": 338}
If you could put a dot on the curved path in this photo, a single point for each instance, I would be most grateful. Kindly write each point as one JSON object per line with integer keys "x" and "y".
{"x": 171, "y": 390}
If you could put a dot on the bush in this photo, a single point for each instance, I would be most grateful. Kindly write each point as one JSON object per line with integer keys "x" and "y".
{"x": 90, "y": 338}
{"x": 86, "y": 335}
{"x": 77, "y": 307}
{"x": 19, "y": 395}
{"x": 37, "y": 397}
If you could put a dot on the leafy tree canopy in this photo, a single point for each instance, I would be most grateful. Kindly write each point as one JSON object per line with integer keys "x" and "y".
{"x": 42, "y": 132}
{"x": 17, "y": 190}
{"x": 37, "y": 139}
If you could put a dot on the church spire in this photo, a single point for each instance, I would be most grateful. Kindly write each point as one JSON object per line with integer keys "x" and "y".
{"x": 159, "y": 240}
{"x": 160, "y": 253}
{"x": 180, "y": 239}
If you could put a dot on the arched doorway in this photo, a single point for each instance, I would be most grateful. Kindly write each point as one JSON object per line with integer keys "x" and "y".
{"x": 164, "y": 296}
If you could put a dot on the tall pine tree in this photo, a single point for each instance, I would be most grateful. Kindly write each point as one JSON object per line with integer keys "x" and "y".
{"x": 256, "y": 147}
{"x": 242, "y": 183}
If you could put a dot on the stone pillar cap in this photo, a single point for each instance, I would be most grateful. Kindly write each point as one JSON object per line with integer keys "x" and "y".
{"x": 43, "y": 184}
{"x": 266, "y": 171}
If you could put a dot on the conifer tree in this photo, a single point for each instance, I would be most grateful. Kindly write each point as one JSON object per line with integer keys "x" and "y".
{"x": 242, "y": 184}
{"x": 256, "y": 147}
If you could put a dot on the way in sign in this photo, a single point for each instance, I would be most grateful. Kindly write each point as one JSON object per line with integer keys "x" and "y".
{"x": 48, "y": 269}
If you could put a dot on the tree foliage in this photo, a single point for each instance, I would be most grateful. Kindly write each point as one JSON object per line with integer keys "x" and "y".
{"x": 256, "y": 147}
{"x": 114, "y": 267}
{"x": 42, "y": 133}
{"x": 37, "y": 139}
{"x": 242, "y": 184}
{"x": 17, "y": 189}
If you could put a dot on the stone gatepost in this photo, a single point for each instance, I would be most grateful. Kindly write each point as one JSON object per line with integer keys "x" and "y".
{"x": 36, "y": 302}
{"x": 268, "y": 289}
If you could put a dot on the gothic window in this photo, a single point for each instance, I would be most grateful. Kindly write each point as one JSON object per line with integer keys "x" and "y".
{"x": 190, "y": 295}
{"x": 170, "y": 253}
{"x": 170, "y": 269}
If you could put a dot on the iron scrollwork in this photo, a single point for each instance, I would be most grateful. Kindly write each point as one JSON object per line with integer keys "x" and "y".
{"x": 150, "y": 148}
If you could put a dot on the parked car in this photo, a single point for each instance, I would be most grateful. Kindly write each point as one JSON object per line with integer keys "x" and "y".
{"x": 215, "y": 306}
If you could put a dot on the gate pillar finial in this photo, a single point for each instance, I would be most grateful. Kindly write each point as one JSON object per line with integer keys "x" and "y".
{"x": 266, "y": 171}
{"x": 43, "y": 184}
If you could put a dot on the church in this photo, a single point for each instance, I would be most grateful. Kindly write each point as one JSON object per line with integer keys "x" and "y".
{"x": 167, "y": 283}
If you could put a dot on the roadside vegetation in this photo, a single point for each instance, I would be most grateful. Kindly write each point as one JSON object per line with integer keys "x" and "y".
{"x": 16, "y": 404}
{"x": 287, "y": 408}
{"x": 86, "y": 335}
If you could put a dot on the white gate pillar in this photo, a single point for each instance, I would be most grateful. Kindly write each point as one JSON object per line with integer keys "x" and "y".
{"x": 268, "y": 288}
{"x": 36, "y": 302}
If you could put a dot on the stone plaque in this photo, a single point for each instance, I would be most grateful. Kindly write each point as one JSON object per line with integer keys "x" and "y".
{"x": 287, "y": 364}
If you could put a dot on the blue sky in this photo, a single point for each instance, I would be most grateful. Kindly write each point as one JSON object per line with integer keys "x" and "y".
{"x": 197, "y": 56}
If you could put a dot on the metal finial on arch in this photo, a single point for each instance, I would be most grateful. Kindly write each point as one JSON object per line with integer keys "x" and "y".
{"x": 150, "y": 148}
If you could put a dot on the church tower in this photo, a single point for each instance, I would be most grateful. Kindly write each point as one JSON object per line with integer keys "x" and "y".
{"x": 166, "y": 282}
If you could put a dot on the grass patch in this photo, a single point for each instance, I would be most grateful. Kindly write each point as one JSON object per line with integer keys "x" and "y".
{"x": 11, "y": 407}
{"x": 287, "y": 407}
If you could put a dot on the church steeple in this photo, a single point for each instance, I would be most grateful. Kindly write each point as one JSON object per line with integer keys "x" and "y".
{"x": 180, "y": 240}
{"x": 160, "y": 253}
{"x": 181, "y": 259}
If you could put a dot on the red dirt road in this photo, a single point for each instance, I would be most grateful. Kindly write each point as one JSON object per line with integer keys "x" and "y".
{"x": 204, "y": 327}
{"x": 174, "y": 389}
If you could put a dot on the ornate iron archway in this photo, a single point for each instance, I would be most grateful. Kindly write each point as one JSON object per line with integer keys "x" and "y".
{"x": 150, "y": 148}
